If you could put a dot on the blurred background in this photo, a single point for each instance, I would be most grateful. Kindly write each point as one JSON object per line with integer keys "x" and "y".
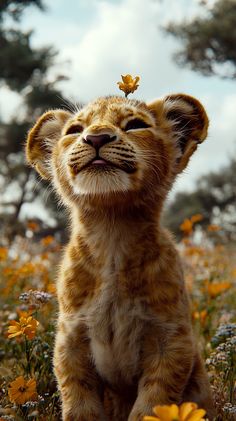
{"x": 58, "y": 53}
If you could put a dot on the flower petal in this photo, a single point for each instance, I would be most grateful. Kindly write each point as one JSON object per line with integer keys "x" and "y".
{"x": 185, "y": 409}
{"x": 150, "y": 418}
{"x": 167, "y": 412}
{"x": 12, "y": 335}
{"x": 196, "y": 415}
{"x": 14, "y": 323}
{"x": 127, "y": 78}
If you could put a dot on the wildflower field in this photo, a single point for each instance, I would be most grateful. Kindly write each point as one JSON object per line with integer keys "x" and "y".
{"x": 28, "y": 312}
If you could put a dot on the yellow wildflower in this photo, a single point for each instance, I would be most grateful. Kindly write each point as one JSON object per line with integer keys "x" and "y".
{"x": 27, "y": 326}
{"x": 186, "y": 412}
{"x": 129, "y": 84}
{"x": 21, "y": 390}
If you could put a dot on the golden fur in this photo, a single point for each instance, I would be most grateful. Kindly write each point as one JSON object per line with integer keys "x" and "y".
{"x": 124, "y": 339}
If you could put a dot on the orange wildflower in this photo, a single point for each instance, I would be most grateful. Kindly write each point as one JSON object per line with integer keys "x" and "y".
{"x": 51, "y": 288}
{"x": 196, "y": 218}
{"x": 128, "y": 84}
{"x": 213, "y": 228}
{"x": 44, "y": 256}
{"x": 200, "y": 315}
{"x": 27, "y": 326}
{"x": 186, "y": 242}
{"x": 32, "y": 226}
{"x": 3, "y": 253}
{"x": 194, "y": 250}
{"x": 21, "y": 390}
{"x": 8, "y": 271}
{"x": 26, "y": 269}
{"x": 233, "y": 273}
{"x": 24, "y": 313}
{"x": 46, "y": 241}
{"x": 186, "y": 412}
{"x": 215, "y": 289}
{"x": 187, "y": 227}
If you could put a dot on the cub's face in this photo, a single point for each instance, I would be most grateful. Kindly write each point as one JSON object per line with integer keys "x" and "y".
{"x": 115, "y": 146}
{"x": 110, "y": 146}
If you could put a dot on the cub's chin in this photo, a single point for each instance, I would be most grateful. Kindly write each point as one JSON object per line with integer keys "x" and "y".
{"x": 100, "y": 181}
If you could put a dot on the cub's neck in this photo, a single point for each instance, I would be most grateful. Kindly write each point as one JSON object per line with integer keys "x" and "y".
{"x": 112, "y": 232}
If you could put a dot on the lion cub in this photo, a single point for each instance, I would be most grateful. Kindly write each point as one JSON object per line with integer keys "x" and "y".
{"x": 124, "y": 339}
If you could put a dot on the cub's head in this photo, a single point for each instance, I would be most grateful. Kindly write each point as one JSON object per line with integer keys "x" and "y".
{"x": 117, "y": 148}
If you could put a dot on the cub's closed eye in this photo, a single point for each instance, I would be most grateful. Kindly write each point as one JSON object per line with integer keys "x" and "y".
{"x": 136, "y": 123}
{"x": 77, "y": 128}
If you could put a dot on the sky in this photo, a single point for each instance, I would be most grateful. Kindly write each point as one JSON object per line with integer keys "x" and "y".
{"x": 98, "y": 40}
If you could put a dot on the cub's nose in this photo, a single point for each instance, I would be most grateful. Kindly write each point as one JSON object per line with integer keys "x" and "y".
{"x": 98, "y": 140}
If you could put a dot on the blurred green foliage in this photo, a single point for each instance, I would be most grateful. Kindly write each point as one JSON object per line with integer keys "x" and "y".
{"x": 214, "y": 197}
{"x": 209, "y": 40}
{"x": 23, "y": 69}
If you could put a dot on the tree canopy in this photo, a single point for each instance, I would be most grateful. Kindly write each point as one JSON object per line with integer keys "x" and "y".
{"x": 209, "y": 40}
{"x": 24, "y": 69}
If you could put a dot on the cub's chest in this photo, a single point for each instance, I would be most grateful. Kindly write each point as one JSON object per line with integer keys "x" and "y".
{"x": 116, "y": 325}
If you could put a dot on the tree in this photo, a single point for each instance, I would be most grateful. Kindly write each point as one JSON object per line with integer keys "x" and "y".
{"x": 25, "y": 70}
{"x": 209, "y": 41}
{"x": 214, "y": 198}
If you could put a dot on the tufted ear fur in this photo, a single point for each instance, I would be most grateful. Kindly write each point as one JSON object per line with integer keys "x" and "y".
{"x": 187, "y": 121}
{"x": 42, "y": 137}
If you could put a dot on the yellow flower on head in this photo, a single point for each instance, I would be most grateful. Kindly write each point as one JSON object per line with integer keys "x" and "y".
{"x": 129, "y": 84}
{"x": 21, "y": 390}
{"x": 188, "y": 411}
{"x": 27, "y": 326}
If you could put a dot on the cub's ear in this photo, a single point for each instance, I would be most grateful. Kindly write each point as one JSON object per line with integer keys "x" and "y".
{"x": 185, "y": 119}
{"x": 41, "y": 139}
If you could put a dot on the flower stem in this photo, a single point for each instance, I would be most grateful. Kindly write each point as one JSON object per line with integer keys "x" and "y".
{"x": 27, "y": 354}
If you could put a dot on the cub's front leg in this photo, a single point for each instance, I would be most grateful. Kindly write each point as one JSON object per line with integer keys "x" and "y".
{"x": 77, "y": 378}
{"x": 167, "y": 362}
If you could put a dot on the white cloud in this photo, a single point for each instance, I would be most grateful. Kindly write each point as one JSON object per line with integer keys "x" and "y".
{"x": 124, "y": 39}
